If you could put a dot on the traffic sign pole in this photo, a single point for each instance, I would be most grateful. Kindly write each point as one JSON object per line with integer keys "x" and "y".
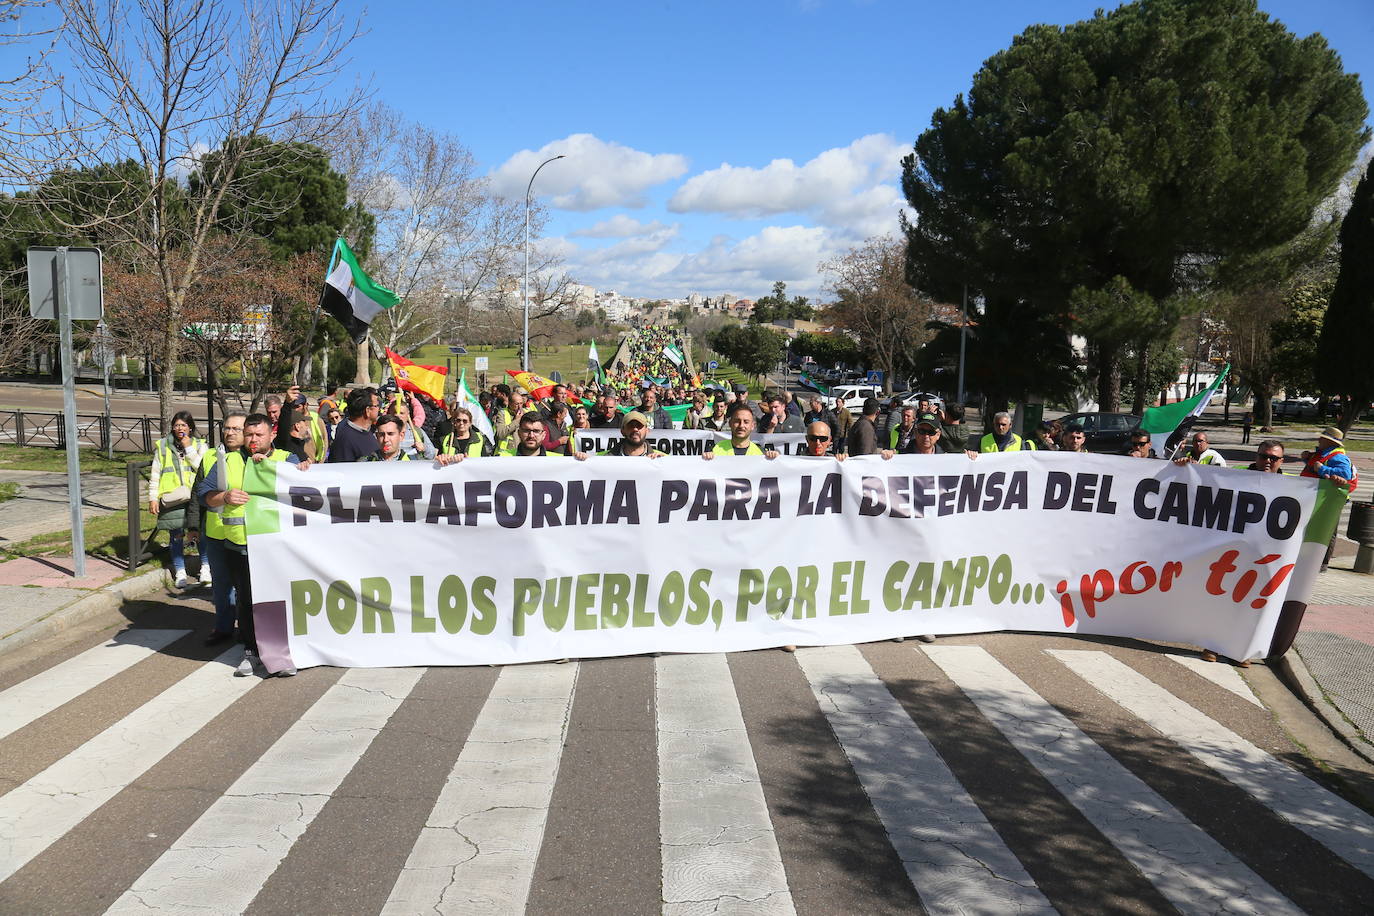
{"x": 61, "y": 287}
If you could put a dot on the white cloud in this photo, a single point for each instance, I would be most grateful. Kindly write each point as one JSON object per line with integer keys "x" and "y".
{"x": 747, "y": 266}
{"x": 619, "y": 226}
{"x": 851, "y": 189}
{"x": 595, "y": 174}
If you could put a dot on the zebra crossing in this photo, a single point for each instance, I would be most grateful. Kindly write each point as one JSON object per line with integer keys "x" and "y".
{"x": 1002, "y": 774}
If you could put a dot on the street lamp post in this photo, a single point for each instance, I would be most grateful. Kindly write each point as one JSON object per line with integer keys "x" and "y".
{"x": 525, "y": 287}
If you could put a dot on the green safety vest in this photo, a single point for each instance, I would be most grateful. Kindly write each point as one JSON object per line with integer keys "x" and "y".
{"x": 1017, "y": 444}
{"x": 724, "y": 447}
{"x": 228, "y": 524}
{"x": 172, "y": 474}
{"x": 892, "y": 436}
{"x": 474, "y": 447}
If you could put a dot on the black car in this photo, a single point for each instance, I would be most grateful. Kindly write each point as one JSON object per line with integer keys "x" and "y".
{"x": 1105, "y": 432}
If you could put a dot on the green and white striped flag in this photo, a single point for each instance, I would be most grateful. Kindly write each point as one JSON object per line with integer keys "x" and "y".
{"x": 674, "y": 355}
{"x": 351, "y": 296}
{"x": 1160, "y": 422}
{"x": 480, "y": 421}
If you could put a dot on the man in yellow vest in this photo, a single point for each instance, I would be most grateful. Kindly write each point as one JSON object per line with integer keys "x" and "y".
{"x": 222, "y": 493}
{"x": 742, "y": 422}
{"x": 1002, "y": 439}
{"x": 212, "y": 533}
{"x": 531, "y": 436}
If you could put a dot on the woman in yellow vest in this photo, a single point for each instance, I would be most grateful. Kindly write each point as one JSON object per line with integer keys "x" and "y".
{"x": 175, "y": 460}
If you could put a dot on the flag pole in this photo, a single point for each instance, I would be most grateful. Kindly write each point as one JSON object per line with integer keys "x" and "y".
{"x": 315, "y": 316}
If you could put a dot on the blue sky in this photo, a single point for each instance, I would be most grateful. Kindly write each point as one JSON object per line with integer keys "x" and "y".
{"x": 714, "y": 146}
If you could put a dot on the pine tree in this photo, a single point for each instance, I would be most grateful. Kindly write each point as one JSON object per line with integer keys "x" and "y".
{"x": 1343, "y": 351}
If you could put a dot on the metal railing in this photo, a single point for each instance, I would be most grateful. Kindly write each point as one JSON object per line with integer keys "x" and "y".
{"x": 46, "y": 429}
{"x": 137, "y": 482}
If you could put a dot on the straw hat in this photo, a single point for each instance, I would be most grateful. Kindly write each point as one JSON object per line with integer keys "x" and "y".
{"x": 1332, "y": 433}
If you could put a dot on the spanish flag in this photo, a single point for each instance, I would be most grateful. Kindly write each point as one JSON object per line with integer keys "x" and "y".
{"x": 426, "y": 380}
{"x": 538, "y": 386}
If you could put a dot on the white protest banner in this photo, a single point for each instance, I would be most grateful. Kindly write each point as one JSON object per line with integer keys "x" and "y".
{"x": 685, "y": 441}
{"x": 502, "y": 560}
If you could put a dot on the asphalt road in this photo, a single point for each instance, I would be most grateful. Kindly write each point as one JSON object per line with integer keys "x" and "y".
{"x": 996, "y": 774}
{"x": 90, "y": 400}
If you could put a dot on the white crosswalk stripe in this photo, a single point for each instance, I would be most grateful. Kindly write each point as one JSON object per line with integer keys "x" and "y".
{"x": 1223, "y": 675}
{"x": 719, "y": 850}
{"x": 477, "y": 851}
{"x": 954, "y": 858}
{"x": 38, "y": 813}
{"x": 34, "y": 698}
{"x": 1188, "y": 867}
{"x": 227, "y": 855}
{"x": 732, "y": 801}
{"x": 1326, "y": 817}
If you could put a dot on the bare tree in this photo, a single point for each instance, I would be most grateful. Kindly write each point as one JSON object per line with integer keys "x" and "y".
{"x": 149, "y": 89}
{"x": 443, "y": 241}
{"x": 874, "y": 301}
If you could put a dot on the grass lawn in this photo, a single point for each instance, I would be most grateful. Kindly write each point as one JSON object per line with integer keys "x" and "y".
{"x": 106, "y": 536}
{"x": 8, "y": 491}
{"x": 35, "y": 458}
{"x": 571, "y": 361}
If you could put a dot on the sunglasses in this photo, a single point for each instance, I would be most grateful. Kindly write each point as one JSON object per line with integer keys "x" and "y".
{"x": 818, "y": 438}
{"x": 925, "y": 432}
{"x": 1270, "y": 457}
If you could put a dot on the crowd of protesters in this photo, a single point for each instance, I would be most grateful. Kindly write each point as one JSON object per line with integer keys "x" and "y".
{"x": 198, "y": 494}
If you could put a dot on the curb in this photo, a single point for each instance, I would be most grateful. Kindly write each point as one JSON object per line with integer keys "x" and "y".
{"x": 1293, "y": 673}
{"x": 109, "y": 598}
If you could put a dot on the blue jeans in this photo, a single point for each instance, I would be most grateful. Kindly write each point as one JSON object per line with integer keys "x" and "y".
{"x": 222, "y": 588}
{"x": 175, "y": 547}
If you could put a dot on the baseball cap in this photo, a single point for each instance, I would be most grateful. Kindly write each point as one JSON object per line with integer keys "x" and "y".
{"x": 635, "y": 416}
{"x": 928, "y": 419}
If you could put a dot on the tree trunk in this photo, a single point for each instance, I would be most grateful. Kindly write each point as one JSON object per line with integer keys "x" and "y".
{"x": 363, "y": 377}
{"x": 1264, "y": 408}
{"x": 1142, "y": 375}
{"x": 1350, "y": 412}
{"x": 166, "y": 386}
{"x": 1108, "y": 380}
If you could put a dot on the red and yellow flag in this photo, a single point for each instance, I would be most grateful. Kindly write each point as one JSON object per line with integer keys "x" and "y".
{"x": 411, "y": 376}
{"x": 538, "y": 386}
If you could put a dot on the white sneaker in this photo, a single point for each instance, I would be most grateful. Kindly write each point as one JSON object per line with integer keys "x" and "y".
{"x": 248, "y": 665}
{"x": 180, "y": 581}
{"x": 286, "y": 672}
{"x": 205, "y": 575}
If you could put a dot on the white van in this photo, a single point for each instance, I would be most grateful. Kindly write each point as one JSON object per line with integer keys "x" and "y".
{"x": 854, "y": 396}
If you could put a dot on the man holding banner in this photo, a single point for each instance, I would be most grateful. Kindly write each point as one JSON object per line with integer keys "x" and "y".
{"x": 742, "y": 423}
{"x": 632, "y": 443}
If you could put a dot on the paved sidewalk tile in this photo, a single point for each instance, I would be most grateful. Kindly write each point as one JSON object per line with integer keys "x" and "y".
{"x": 1342, "y": 666}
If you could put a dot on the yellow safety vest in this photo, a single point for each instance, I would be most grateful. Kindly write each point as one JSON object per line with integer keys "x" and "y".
{"x": 317, "y": 435}
{"x": 513, "y": 453}
{"x": 989, "y": 444}
{"x": 894, "y": 432}
{"x": 173, "y": 473}
{"x": 725, "y": 447}
{"x": 474, "y": 447}
{"x": 377, "y": 456}
{"x": 228, "y": 524}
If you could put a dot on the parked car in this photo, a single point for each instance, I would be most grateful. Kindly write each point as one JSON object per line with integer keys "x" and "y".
{"x": 912, "y": 398}
{"x": 1105, "y": 432}
{"x": 1295, "y": 408}
{"x": 854, "y": 396}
